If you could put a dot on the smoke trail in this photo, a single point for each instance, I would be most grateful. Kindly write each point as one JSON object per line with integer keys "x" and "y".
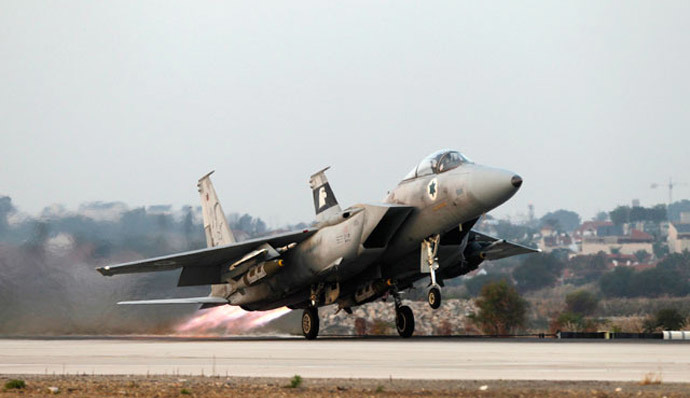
{"x": 227, "y": 320}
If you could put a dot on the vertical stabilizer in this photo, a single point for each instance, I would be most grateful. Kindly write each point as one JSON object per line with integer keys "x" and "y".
{"x": 215, "y": 224}
{"x": 325, "y": 203}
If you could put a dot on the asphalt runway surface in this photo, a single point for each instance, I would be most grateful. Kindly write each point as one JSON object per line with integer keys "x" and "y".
{"x": 415, "y": 358}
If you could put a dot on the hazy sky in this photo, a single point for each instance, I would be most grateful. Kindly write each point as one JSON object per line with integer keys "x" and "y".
{"x": 133, "y": 101}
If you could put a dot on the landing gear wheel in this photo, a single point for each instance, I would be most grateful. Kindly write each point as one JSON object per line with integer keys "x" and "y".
{"x": 434, "y": 297}
{"x": 404, "y": 321}
{"x": 310, "y": 323}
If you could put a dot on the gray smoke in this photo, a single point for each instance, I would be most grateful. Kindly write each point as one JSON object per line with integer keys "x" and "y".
{"x": 48, "y": 281}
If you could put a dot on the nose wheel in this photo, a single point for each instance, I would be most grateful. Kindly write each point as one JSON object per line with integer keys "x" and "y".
{"x": 310, "y": 323}
{"x": 434, "y": 297}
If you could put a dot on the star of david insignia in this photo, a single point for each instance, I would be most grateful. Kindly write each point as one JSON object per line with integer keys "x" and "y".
{"x": 432, "y": 189}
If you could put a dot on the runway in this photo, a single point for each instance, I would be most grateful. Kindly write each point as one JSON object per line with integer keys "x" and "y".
{"x": 441, "y": 358}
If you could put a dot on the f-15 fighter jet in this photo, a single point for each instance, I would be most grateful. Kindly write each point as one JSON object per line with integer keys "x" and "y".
{"x": 422, "y": 230}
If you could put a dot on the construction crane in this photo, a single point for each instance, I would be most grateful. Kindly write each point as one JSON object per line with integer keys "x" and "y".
{"x": 670, "y": 186}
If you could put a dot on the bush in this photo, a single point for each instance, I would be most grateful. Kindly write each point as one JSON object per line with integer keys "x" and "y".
{"x": 295, "y": 382}
{"x": 588, "y": 268}
{"x": 475, "y": 284}
{"x": 572, "y": 322}
{"x": 501, "y": 309}
{"x": 655, "y": 282}
{"x": 537, "y": 272}
{"x": 15, "y": 384}
{"x": 665, "y": 319}
{"x": 617, "y": 283}
{"x": 532, "y": 276}
{"x": 582, "y": 302}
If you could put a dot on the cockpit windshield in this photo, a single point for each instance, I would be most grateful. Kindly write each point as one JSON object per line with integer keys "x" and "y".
{"x": 438, "y": 162}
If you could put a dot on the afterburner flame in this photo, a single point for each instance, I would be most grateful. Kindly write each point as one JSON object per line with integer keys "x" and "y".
{"x": 227, "y": 319}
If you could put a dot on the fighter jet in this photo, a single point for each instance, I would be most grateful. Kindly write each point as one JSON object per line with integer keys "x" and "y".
{"x": 421, "y": 231}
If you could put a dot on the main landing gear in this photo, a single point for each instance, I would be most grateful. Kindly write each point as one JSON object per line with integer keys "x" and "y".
{"x": 429, "y": 264}
{"x": 404, "y": 318}
{"x": 310, "y": 323}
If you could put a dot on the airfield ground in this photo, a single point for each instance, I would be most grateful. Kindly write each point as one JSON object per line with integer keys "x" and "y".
{"x": 198, "y": 386}
{"x": 379, "y": 358}
{"x": 346, "y": 367}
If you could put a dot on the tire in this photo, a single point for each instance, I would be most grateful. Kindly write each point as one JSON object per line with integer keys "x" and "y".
{"x": 404, "y": 321}
{"x": 434, "y": 297}
{"x": 310, "y": 323}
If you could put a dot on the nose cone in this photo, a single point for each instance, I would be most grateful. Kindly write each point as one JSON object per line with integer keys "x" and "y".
{"x": 491, "y": 187}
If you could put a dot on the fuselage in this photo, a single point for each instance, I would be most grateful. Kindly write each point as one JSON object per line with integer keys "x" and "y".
{"x": 350, "y": 251}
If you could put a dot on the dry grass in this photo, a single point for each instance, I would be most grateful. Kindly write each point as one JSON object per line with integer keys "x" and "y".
{"x": 651, "y": 378}
{"x": 221, "y": 387}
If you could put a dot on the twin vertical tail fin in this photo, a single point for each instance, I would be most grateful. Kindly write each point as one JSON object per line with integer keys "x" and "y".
{"x": 216, "y": 226}
{"x": 325, "y": 203}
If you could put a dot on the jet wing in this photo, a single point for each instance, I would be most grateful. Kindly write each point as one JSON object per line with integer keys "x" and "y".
{"x": 189, "y": 300}
{"x": 499, "y": 248}
{"x": 203, "y": 267}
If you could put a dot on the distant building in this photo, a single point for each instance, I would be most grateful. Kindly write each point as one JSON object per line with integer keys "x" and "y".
{"x": 616, "y": 260}
{"x": 596, "y": 228}
{"x": 557, "y": 241}
{"x": 678, "y": 237}
{"x": 685, "y": 217}
{"x": 551, "y": 240}
{"x": 623, "y": 244}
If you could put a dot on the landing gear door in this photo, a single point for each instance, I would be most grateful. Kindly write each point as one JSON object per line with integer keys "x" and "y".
{"x": 428, "y": 254}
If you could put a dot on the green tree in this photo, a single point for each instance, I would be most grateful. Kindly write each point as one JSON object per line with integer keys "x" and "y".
{"x": 665, "y": 319}
{"x": 589, "y": 268}
{"x": 579, "y": 306}
{"x": 620, "y": 215}
{"x": 679, "y": 262}
{"x": 501, "y": 309}
{"x": 641, "y": 255}
{"x": 564, "y": 220}
{"x": 658, "y": 213}
{"x": 582, "y": 302}
{"x": 660, "y": 281}
{"x": 475, "y": 284}
{"x": 675, "y": 208}
{"x": 601, "y": 216}
{"x": 617, "y": 283}
{"x": 657, "y": 282}
{"x": 537, "y": 271}
{"x": 660, "y": 249}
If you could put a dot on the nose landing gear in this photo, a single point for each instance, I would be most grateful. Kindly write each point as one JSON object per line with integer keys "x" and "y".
{"x": 429, "y": 264}
{"x": 434, "y": 297}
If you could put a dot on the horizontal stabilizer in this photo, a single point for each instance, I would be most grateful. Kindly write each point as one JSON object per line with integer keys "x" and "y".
{"x": 188, "y": 300}
{"x": 495, "y": 249}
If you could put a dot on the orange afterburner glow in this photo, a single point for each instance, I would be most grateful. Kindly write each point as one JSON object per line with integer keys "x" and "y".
{"x": 227, "y": 319}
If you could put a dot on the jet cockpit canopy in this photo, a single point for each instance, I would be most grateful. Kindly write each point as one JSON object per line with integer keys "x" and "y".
{"x": 437, "y": 163}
